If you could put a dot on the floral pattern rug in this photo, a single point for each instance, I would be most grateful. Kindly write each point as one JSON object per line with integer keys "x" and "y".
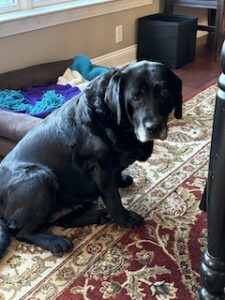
{"x": 158, "y": 261}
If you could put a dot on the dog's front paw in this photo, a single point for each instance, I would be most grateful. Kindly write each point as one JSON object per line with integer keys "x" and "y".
{"x": 131, "y": 219}
{"x": 124, "y": 181}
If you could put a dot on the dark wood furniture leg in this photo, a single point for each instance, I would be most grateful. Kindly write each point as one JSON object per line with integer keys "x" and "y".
{"x": 216, "y": 11}
{"x": 213, "y": 261}
{"x": 219, "y": 29}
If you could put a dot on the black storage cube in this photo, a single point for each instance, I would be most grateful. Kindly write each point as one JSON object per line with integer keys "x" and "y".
{"x": 168, "y": 38}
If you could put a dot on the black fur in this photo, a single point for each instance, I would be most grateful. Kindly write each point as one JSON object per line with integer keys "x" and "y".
{"x": 80, "y": 150}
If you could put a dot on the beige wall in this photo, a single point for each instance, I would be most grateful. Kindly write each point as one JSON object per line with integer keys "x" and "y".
{"x": 93, "y": 37}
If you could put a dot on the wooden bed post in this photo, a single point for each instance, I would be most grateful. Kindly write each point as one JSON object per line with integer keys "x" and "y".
{"x": 213, "y": 261}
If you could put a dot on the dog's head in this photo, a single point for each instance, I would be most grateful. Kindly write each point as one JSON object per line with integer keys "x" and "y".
{"x": 146, "y": 92}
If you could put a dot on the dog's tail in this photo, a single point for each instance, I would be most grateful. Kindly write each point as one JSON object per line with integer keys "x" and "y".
{"x": 4, "y": 238}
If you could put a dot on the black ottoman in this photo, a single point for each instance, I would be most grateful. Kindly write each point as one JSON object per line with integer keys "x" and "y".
{"x": 168, "y": 38}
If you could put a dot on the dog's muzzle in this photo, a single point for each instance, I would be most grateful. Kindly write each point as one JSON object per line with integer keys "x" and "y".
{"x": 151, "y": 131}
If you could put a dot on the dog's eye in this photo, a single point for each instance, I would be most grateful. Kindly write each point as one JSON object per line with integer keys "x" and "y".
{"x": 164, "y": 93}
{"x": 136, "y": 98}
{"x": 139, "y": 95}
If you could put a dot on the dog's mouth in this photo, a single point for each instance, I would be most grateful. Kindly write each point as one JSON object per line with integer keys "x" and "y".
{"x": 144, "y": 135}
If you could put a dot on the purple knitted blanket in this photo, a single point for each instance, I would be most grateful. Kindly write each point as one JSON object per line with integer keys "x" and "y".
{"x": 37, "y": 101}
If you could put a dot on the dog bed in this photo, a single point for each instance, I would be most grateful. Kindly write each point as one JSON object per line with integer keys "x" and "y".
{"x": 29, "y": 94}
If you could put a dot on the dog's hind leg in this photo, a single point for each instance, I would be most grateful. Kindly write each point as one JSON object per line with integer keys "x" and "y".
{"x": 82, "y": 217}
{"x": 56, "y": 244}
{"x": 30, "y": 204}
{"x": 38, "y": 218}
{"x": 4, "y": 238}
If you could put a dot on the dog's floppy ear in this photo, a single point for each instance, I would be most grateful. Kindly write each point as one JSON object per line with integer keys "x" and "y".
{"x": 113, "y": 95}
{"x": 178, "y": 99}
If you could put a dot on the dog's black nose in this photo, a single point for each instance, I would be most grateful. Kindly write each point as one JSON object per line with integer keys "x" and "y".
{"x": 152, "y": 127}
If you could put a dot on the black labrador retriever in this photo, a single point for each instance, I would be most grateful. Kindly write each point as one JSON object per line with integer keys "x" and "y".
{"x": 79, "y": 151}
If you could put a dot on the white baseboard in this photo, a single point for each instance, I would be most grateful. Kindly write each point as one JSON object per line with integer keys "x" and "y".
{"x": 117, "y": 58}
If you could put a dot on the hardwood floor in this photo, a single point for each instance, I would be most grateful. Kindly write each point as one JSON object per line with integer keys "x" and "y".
{"x": 200, "y": 74}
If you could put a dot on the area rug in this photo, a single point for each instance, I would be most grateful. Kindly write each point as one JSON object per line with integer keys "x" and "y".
{"x": 158, "y": 261}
